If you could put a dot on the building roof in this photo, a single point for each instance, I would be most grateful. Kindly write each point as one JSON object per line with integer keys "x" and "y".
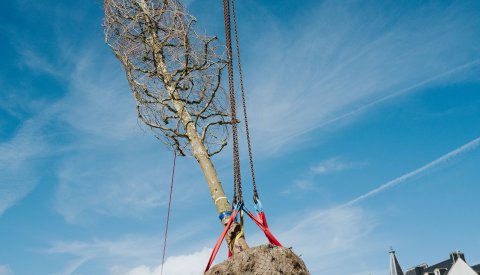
{"x": 461, "y": 268}
{"x": 447, "y": 264}
{"x": 418, "y": 270}
{"x": 395, "y": 268}
{"x": 445, "y": 267}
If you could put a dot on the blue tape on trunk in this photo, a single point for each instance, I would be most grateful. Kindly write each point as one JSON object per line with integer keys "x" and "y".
{"x": 224, "y": 214}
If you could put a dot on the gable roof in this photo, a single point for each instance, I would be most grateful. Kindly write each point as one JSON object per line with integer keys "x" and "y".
{"x": 461, "y": 268}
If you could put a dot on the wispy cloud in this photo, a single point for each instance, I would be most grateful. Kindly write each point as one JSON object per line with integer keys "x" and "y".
{"x": 188, "y": 2}
{"x": 124, "y": 248}
{"x": 359, "y": 109}
{"x": 328, "y": 166}
{"x": 5, "y": 270}
{"x": 333, "y": 235}
{"x": 333, "y": 69}
{"x": 20, "y": 159}
{"x": 73, "y": 266}
{"x": 445, "y": 158}
{"x": 133, "y": 254}
{"x": 188, "y": 264}
{"x": 331, "y": 165}
{"x": 38, "y": 63}
{"x": 112, "y": 167}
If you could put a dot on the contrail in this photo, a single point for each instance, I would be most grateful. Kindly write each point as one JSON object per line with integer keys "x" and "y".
{"x": 385, "y": 98}
{"x": 463, "y": 149}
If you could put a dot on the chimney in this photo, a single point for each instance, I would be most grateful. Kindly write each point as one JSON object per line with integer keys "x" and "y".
{"x": 455, "y": 255}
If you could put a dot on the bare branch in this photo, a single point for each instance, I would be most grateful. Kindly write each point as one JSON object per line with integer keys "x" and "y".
{"x": 174, "y": 73}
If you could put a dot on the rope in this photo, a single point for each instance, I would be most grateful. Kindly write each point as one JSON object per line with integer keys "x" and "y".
{"x": 238, "y": 197}
{"x": 168, "y": 212}
{"x": 247, "y": 132}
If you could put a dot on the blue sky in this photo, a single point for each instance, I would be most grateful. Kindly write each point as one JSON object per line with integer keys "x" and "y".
{"x": 365, "y": 125}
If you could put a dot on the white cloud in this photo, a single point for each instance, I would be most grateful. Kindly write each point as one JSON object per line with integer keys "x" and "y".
{"x": 112, "y": 169}
{"x": 334, "y": 68}
{"x": 129, "y": 249}
{"x": 19, "y": 161}
{"x": 334, "y": 235}
{"x": 104, "y": 162}
{"x": 98, "y": 103}
{"x": 135, "y": 254}
{"x": 38, "y": 63}
{"x": 308, "y": 179}
{"x": 112, "y": 166}
{"x": 5, "y": 270}
{"x": 308, "y": 77}
{"x": 72, "y": 266}
{"x": 302, "y": 184}
{"x": 445, "y": 158}
{"x": 331, "y": 165}
{"x": 115, "y": 185}
{"x": 188, "y": 2}
{"x": 94, "y": 121}
{"x": 188, "y": 264}
{"x": 124, "y": 248}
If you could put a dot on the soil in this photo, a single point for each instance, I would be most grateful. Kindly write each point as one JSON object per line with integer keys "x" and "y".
{"x": 262, "y": 260}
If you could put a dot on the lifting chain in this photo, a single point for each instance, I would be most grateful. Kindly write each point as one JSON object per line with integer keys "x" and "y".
{"x": 237, "y": 187}
{"x": 237, "y": 197}
{"x": 244, "y": 104}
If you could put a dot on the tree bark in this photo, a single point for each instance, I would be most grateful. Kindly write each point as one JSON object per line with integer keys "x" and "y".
{"x": 216, "y": 190}
{"x": 153, "y": 40}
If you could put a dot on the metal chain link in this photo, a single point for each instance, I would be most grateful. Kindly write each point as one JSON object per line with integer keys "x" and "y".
{"x": 247, "y": 132}
{"x": 238, "y": 196}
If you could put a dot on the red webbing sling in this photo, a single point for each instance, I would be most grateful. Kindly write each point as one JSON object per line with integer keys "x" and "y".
{"x": 261, "y": 222}
{"x": 220, "y": 239}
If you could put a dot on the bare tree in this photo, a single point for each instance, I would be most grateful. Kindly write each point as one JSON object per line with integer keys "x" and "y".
{"x": 175, "y": 76}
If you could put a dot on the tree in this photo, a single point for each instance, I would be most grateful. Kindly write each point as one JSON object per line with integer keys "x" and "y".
{"x": 175, "y": 76}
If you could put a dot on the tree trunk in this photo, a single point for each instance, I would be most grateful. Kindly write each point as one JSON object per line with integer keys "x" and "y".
{"x": 155, "y": 40}
{"x": 201, "y": 155}
{"x": 216, "y": 190}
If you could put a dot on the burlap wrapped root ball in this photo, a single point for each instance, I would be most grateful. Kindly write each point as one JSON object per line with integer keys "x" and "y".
{"x": 264, "y": 259}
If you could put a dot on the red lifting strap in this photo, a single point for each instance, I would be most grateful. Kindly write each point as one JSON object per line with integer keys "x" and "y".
{"x": 261, "y": 221}
{"x": 262, "y": 218}
{"x": 220, "y": 239}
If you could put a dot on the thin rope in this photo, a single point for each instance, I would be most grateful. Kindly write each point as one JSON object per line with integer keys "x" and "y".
{"x": 168, "y": 212}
